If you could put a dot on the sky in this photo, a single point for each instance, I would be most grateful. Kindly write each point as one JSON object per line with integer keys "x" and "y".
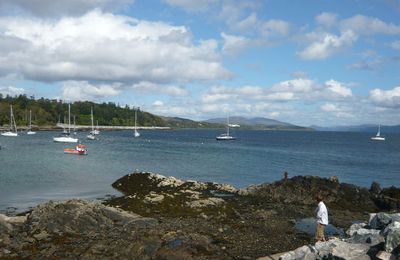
{"x": 309, "y": 62}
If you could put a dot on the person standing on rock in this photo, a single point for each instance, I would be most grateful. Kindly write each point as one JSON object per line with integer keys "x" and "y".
{"x": 322, "y": 218}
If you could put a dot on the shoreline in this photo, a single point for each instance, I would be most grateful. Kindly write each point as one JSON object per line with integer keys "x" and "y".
{"x": 225, "y": 222}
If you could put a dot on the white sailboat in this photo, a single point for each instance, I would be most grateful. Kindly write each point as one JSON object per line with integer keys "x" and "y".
{"x": 13, "y": 126}
{"x": 136, "y": 133}
{"x": 226, "y": 136}
{"x": 378, "y": 136}
{"x": 91, "y": 136}
{"x": 67, "y": 138}
{"x": 30, "y": 132}
{"x": 96, "y": 131}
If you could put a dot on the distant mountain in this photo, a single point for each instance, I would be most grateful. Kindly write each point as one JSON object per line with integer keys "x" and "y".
{"x": 257, "y": 123}
{"x": 177, "y": 122}
{"x": 360, "y": 128}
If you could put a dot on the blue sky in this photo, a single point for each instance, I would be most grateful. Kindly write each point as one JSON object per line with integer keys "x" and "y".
{"x": 305, "y": 62}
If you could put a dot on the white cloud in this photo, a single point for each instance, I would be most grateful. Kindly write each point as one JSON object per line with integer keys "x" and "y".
{"x": 274, "y": 28}
{"x": 158, "y": 103}
{"x": 329, "y": 107}
{"x": 295, "y": 85}
{"x": 234, "y": 44}
{"x": 250, "y": 22}
{"x": 337, "y": 89}
{"x": 369, "y": 25}
{"x": 328, "y": 45}
{"x": 337, "y": 111}
{"x": 106, "y": 47}
{"x": 157, "y": 89}
{"x": 386, "y": 98}
{"x": 54, "y": 8}
{"x": 12, "y": 91}
{"x": 327, "y": 19}
{"x": 395, "y": 45}
{"x": 190, "y": 5}
{"x": 82, "y": 90}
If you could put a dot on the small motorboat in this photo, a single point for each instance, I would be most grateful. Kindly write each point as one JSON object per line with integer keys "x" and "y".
{"x": 80, "y": 149}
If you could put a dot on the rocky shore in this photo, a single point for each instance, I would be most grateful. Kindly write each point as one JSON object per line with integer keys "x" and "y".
{"x": 162, "y": 217}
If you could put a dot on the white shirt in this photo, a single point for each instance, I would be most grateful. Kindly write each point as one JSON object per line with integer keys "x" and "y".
{"x": 322, "y": 214}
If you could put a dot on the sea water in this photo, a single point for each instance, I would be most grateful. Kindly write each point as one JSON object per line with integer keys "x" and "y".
{"x": 34, "y": 169}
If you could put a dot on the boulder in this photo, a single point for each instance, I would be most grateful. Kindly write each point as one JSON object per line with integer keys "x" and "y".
{"x": 304, "y": 252}
{"x": 392, "y": 237}
{"x": 381, "y": 220}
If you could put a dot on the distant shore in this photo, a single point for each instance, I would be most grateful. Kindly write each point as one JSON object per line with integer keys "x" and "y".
{"x": 79, "y": 128}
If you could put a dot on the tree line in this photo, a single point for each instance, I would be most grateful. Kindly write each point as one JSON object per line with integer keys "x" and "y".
{"x": 48, "y": 112}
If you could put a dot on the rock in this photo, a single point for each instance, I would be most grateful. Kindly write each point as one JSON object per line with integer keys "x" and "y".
{"x": 153, "y": 198}
{"x": 332, "y": 249}
{"x": 210, "y": 202}
{"x": 375, "y": 188}
{"x": 379, "y": 220}
{"x": 354, "y": 228}
{"x": 304, "y": 252}
{"x": 41, "y": 236}
{"x": 392, "y": 236}
{"x": 382, "y": 255}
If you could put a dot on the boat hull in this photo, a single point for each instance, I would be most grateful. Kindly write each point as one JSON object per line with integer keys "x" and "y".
{"x": 91, "y": 137}
{"x": 30, "y": 133}
{"x": 9, "y": 134}
{"x": 65, "y": 139}
{"x": 378, "y": 138}
{"x": 225, "y": 138}
{"x": 74, "y": 151}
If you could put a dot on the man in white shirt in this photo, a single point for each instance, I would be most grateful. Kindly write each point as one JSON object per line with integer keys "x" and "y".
{"x": 322, "y": 219}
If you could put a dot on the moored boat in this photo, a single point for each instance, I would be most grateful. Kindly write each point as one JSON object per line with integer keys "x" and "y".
{"x": 80, "y": 149}
{"x": 378, "y": 136}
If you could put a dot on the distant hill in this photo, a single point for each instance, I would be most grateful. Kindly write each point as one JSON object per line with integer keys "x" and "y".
{"x": 360, "y": 128}
{"x": 258, "y": 123}
{"x": 177, "y": 122}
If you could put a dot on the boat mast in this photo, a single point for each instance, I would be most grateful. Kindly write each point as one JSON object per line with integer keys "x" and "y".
{"x": 227, "y": 126}
{"x": 30, "y": 119}
{"x": 135, "y": 118}
{"x": 69, "y": 118}
{"x": 91, "y": 114}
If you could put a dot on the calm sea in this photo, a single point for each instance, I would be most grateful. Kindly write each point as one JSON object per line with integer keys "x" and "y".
{"x": 34, "y": 169}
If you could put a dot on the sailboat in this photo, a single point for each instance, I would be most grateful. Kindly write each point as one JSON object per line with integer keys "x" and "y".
{"x": 226, "y": 136}
{"x": 30, "y": 132}
{"x": 13, "y": 125}
{"x": 96, "y": 131}
{"x": 378, "y": 136}
{"x": 136, "y": 133}
{"x": 67, "y": 138}
{"x": 91, "y": 136}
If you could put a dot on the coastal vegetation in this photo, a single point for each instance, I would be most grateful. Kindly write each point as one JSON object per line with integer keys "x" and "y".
{"x": 47, "y": 112}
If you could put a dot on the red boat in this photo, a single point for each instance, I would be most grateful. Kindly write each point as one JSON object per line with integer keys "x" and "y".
{"x": 80, "y": 149}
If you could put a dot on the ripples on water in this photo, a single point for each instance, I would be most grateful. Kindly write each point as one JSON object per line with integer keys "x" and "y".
{"x": 34, "y": 169}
